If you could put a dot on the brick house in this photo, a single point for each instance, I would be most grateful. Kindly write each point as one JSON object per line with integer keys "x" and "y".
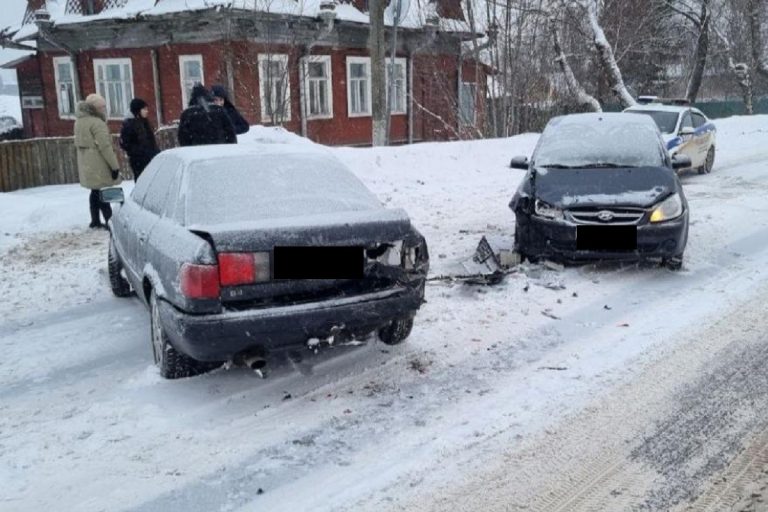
{"x": 299, "y": 64}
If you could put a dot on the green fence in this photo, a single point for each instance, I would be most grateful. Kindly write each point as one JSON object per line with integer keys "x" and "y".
{"x": 715, "y": 109}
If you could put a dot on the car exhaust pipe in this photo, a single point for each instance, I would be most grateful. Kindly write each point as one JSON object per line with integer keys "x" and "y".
{"x": 255, "y": 362}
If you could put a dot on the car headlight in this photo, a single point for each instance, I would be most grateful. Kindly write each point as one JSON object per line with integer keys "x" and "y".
{"x": 548, "y": 211}
{"x": 670, "y": 208}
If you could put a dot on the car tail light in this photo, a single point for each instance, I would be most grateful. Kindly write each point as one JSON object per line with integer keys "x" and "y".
{"x": 200, "y": 281}
{"x": 237, "y": 268}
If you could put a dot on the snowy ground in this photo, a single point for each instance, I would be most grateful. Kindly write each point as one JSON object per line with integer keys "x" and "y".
{"x": 603, "y": 387}
{"x": 10, "y": 106}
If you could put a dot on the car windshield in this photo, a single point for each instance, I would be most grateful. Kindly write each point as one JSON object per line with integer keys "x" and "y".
{"x": 666, "y": 121}
{"x": 238, "y": 189}
{"x": 593, "y": 143}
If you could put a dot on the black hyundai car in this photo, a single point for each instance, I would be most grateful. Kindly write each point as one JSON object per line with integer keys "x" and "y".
{"x": 601, "y": 187}
{"x": 241, "y": 251}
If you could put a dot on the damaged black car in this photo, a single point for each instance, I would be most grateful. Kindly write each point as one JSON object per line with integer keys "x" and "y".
{"x": 601, "y": 187}
{"x": 242, "y": 251}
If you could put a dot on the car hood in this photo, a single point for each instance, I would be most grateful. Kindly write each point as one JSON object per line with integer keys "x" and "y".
{"x": 637, "y": 186}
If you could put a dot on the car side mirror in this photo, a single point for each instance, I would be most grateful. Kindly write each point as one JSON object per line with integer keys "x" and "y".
{"x": 519, "y": 162}
{"x": 687, "y": 130}
{"x": 681, "y": 161}
{"x": 112, "y": 195}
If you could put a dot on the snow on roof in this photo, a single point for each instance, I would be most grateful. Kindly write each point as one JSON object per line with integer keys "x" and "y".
{"x": 415, "y": 15}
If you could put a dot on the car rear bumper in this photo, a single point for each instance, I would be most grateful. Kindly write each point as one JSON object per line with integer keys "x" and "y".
{"x": 556, "y": 240}
{"x": 219, "y": 337}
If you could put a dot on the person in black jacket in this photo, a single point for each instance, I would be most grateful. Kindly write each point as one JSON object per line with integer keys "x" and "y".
{"x": 221, "y": 98}
{"x": 137, "y": 138}
{"x": 204, "y": 122}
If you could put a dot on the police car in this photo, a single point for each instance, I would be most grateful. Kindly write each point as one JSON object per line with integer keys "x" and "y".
{"x": 686, "y": 130}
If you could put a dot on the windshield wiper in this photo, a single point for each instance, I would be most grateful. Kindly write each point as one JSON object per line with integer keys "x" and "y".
{"x": 557, "y": 166}
{"x": 605, "y": 165}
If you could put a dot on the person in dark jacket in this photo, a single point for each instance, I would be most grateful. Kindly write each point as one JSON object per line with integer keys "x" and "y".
{"x": 137, "y": 138}
{"x": 221, "y": 98}
{"x": 203, "y": 122}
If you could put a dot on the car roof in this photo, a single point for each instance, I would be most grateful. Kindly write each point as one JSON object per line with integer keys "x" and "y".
{"x": 660, "y": 107}
{"x": 197, "y": 154}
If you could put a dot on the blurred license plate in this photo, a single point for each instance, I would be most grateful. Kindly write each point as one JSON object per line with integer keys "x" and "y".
{"x": 345, "y": 262}
{"x": 606, "y": 238}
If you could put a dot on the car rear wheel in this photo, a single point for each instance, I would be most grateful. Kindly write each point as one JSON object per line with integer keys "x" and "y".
{"x": 172, "y": 363}
{"x": 118, "y": 283}
{"x": 709, "y": 162}
{"x": 396, "y": 331}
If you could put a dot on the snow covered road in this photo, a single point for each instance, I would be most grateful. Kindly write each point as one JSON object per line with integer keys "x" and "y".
{"x": 602, "y": 387}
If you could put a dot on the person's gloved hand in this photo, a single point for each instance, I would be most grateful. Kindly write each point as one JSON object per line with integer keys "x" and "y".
{"x": 115, "y": 174}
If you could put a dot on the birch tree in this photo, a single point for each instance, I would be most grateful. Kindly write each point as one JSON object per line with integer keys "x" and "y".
{"x": 573, "y": 89}
{"x": 605, "y": 55}
{"x": 700, "y": 17}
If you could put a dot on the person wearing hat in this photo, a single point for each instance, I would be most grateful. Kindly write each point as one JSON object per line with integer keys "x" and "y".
{"x": 137, "y": 138}
{"x": 204, "y": 122}
{"x": 221, "y": 98}
{"x": 97, "y": 165}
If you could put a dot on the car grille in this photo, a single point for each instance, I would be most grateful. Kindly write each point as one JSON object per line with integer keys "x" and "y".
{"x": 606, "y": 215}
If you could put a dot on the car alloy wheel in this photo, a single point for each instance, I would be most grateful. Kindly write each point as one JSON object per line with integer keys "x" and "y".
{"x": 709, "y": 163}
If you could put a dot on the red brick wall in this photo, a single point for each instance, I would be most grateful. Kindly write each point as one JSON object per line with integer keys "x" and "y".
{"x": 434, "y": 89}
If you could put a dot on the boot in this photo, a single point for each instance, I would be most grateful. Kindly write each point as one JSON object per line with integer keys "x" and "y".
{"x": 93, "y": 201}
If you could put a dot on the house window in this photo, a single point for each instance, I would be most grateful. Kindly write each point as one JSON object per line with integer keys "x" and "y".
{"x": 398, "y": 100}
{"x": 274, "y": 85}
{"x": 191, "y": 72}
{"x": 467, "y": 95}
{"x": 317, "y": 86}
{"x": 65, "y": 86}
{"x": 114, "y": 81}
{"x": 359, "y": 86}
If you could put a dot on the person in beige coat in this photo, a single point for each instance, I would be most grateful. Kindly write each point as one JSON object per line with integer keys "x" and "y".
{"x": 97, "y": 164}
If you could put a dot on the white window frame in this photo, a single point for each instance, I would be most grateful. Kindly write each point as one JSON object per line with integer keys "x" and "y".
{"x": 367, "y": 62}
{"x": 57, "y": 61}
{"x": 183, "y": 81}
{"x": 127, "y": 96}
{"x": 463, "y": 121}
{"x": 269, "y": 57}
{"x": 399, "y": 62}
{"x": 326, "y": 60}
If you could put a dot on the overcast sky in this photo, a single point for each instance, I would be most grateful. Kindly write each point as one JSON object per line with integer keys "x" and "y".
{"x": 11, "y": 13}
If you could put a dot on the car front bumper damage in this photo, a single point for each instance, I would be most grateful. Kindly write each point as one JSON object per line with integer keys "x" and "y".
{"x": 557, "y": 240}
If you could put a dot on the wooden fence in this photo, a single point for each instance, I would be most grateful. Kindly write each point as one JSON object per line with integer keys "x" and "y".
{"x": 52, "y": 161}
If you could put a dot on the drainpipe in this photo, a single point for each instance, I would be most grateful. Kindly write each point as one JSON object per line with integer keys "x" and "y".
{"x": 430, "y": 27}
{"x": 327, "y": 14}
{"x": 158, "y": 90}
{"x": 44, "y": 25}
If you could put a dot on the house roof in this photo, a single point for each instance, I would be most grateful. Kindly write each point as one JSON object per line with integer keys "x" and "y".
{"x": 15, "y": 62}
{"x": 416, "y": 12}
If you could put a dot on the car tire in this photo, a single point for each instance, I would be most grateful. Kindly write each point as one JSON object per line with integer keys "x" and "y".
{"x": 709, "y": 163}
{"x": 118, "y": 283}
{"x": 674, "y": 263}
{"x": 171, "y": 363}
{"x": 396, "y": 331}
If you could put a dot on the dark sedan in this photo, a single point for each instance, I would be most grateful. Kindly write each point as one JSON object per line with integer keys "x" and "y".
{"x": 240, "y": 251}
{"x": 601, "y": 187}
